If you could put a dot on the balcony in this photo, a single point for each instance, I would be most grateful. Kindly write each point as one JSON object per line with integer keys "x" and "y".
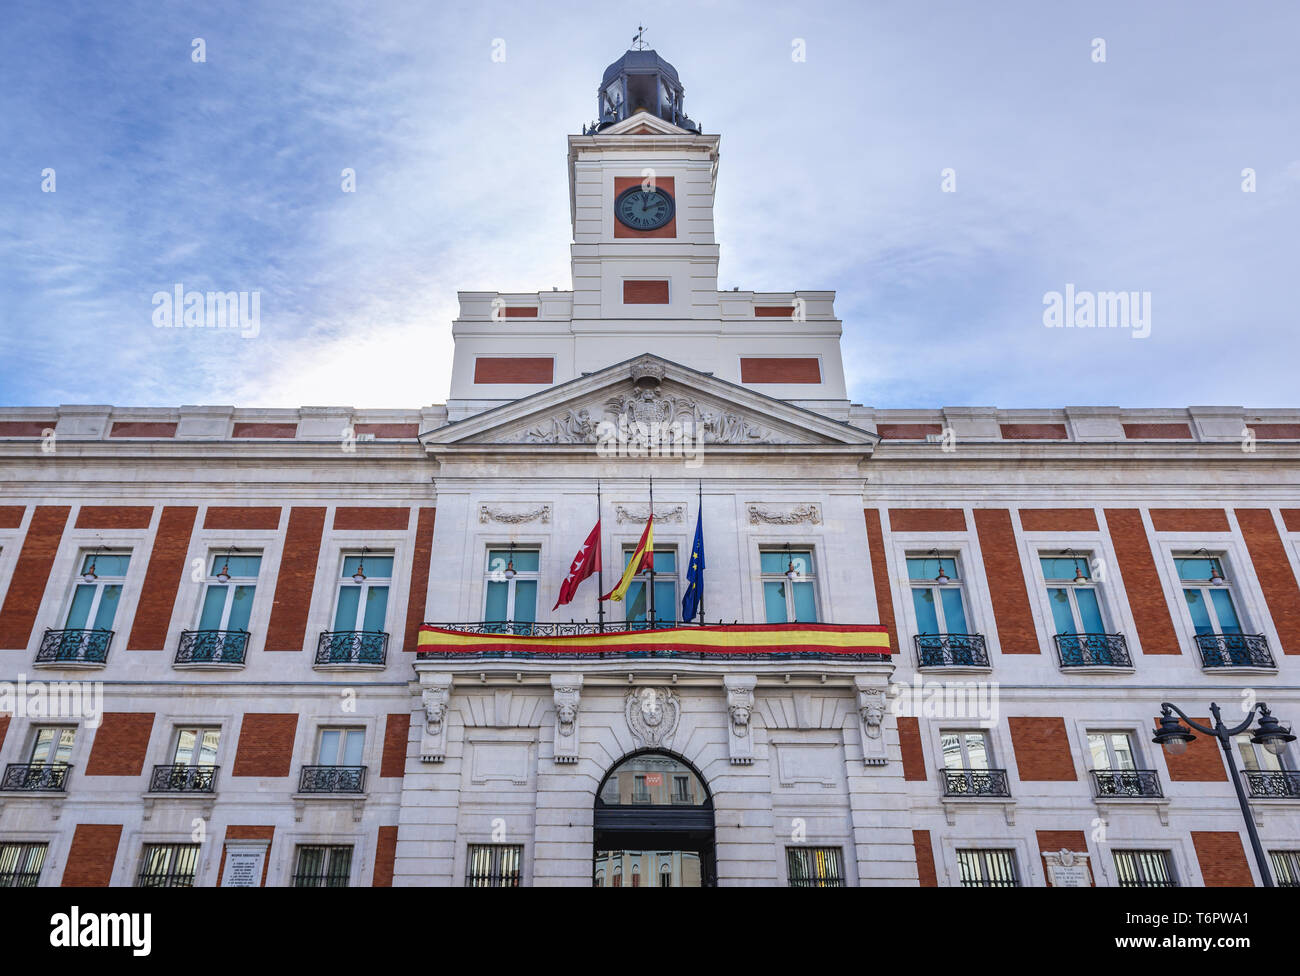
{"x": 178, "y": 778}
{"x": 975, "y": 782}
{"x": 1127, "y": 782}
{"x": 35, "y": 778}
{"x": 1234, "y": 651}
{"x": 212, "y": 647}
{"x": 352, "y": 647}
{"x": 332, "y": 779}
{"x": 951, "y": 650}
{"x": 622, "y": 640}
{"x": 1092, "y": 650}
{"x": 1274, "y": 783}
{"x": 74, "y": 647}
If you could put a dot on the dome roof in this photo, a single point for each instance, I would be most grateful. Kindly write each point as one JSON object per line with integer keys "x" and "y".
{"x": 640, "y": 62}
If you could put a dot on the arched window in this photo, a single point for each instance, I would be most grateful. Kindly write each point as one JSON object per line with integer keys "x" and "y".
{"x": 653, "y": 779}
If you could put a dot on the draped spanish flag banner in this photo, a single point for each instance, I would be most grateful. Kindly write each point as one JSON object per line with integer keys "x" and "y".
{"x": 730, "y": 639}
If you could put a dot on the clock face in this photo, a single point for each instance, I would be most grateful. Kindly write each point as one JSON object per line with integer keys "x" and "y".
{"x": 644, "y": 209}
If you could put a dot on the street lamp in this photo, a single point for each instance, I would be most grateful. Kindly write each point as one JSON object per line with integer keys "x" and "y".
{"x": 1271, "y": 735}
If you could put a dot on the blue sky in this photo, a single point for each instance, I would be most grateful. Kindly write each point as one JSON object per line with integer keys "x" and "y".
{"x": 1122, "y": 175}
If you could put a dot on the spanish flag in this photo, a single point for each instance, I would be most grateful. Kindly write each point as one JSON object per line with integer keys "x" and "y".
{"x": 642, "y": 557}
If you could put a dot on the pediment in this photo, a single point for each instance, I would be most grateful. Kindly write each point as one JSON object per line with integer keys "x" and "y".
{"x": 649, "y": 401}
{"x": 644, "y": 124}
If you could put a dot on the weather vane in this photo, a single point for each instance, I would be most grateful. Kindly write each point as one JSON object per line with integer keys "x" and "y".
{"x": 639, "y": 38}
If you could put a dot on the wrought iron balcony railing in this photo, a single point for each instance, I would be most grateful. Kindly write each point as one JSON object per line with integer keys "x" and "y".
{"x": 212, "y": 647}
{"x": 1090, "y": 650}
{"x": 352, "y": 647}
{"x": 976, "y": 782}
{"x": 1277, "y": 783}
{"x": 332, "y": 779}
{"x": 35, "y": 777}
{"x": 1127, "y": 782}
{"x": 74, "y": 647}
{"x": 589, "y": 627}
{"x": 951, "y": 650}
{"x": 180, "y": 778}
{"x": 1234, "y": 651}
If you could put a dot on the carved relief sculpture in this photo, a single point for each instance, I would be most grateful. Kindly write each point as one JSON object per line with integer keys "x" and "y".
{"x": 435, "y": 691}
{"x": 652, "y": 715}
{"x": 740, "y": 710}
{"x": 567, "y": 690}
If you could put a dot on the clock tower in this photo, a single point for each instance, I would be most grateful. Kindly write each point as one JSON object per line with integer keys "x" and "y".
{"x": 644, "y": 258}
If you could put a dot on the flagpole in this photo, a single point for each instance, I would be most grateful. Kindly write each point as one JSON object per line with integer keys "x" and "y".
{"x": 600, "y": 566}
{"x": 699, "y": 514}
{"x": 649, "y": 520}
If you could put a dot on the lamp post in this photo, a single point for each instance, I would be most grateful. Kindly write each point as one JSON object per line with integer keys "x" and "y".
{"x": 1271, "y": 735}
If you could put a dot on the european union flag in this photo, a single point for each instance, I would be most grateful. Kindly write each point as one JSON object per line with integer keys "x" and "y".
{"x": 693, "y": 598}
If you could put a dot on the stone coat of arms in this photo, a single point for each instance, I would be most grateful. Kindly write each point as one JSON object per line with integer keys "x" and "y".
{"x": 652, "y": 715}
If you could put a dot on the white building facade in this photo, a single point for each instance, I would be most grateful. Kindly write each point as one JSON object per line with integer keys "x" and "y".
{"x": 211, "y": 617}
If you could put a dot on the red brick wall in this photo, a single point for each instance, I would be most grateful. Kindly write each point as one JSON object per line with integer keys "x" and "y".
{"x": 519, "y": 312}
{"x": 645, "y": 293}
{"x": 397, "y": 730}
{"x": 1006, "y": 579}
{"x": 25, "y": 428}
{"x": 880, "y": 575}
{"x": 1153, "y": 432}
{"x": 31, "y": 573}
{"x": 242, "y": 517}
{"x": 371, "y": 519}
{"x": 1222, "y": 858}
{"x": 927, "y": 520}
{"x": 773, "y": 311}
{"x": 1201, "y": 763}
{"x": 1273, "y": 570}
{"x": 265, "y": 744}
{"x": 924, "y": 859}
{"x": 1142, "y": 587}
{"x": 908, "y": 432}
{"x": 909, "y": 738}
{"x": 1034, "y": 432}
{"x": 1189, "y": 520}
{"x": 1042, "y": 749}
{"x": 293, "y": 586}
{"x": 1051, "y": 841}
{"x": 167, "y": 563}
{"x": 266, "y": 430}
{"x": 665, "y": 183}
{"x": 768, "y": 369}
{"x": 114, "y": 516}
{"x": 141, "y": 428}
{"x": 1280, "y": 432}
{"x": 1058, "y": 520}
{"x": 385, "y": 857}
{"x": 519, "y": 369}
{"x": 247, "y": 832}
{"x": 420, "y": 560}
{"x": 388, "y": 431}
{"x": 121, "y": 744}
{"x": 11, "y": 516}
{"x": 1291, "y": 519}
{"x": 91, "y": 856}
{"x": 4, "y": 728}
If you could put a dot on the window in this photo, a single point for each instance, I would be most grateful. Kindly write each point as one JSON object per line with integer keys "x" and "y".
{"x": 53, "y": 744}
{"x": 196, "y": 747}
{"x": 682, "y": 789}
{"x": 498, "y": 866}
{"x": 321, "y": 866}
{"x": 168, "y": 866}
{"x": 1208, "y": 595}
{"x": 936, "y": 595}
{"x": 815, "y": 867}
{"x": 20, "y": 865}
{"x": 228, "y": 605}
{"x": 98, "y": 591}
{"x": 665, "y": 871}
{"x": 968, "y": 765}
{"x": 512, "y": 586}
{"x": 993, "y": 868}
{"x": 1286, "y": 868}
{"x": 1111, "y": 751}
{"x": 965, "y": 750}
{"x": 1072, "y": 594}
{"x": 1144, "y": 869}
{"x": 363, "y": 593}
{"x": 655, "y": 779}
{"x": 789, "y": 578}
{"x": 340, "y": 747}
{"x": 665, "y": 588}
{"x": 1258, "y": 759}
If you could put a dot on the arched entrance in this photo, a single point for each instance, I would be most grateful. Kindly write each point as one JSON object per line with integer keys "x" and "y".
{"x": 653, "y": 825}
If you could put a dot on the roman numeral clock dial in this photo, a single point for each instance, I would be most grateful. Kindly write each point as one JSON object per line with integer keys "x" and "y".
{"x": 643, "y": 209}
